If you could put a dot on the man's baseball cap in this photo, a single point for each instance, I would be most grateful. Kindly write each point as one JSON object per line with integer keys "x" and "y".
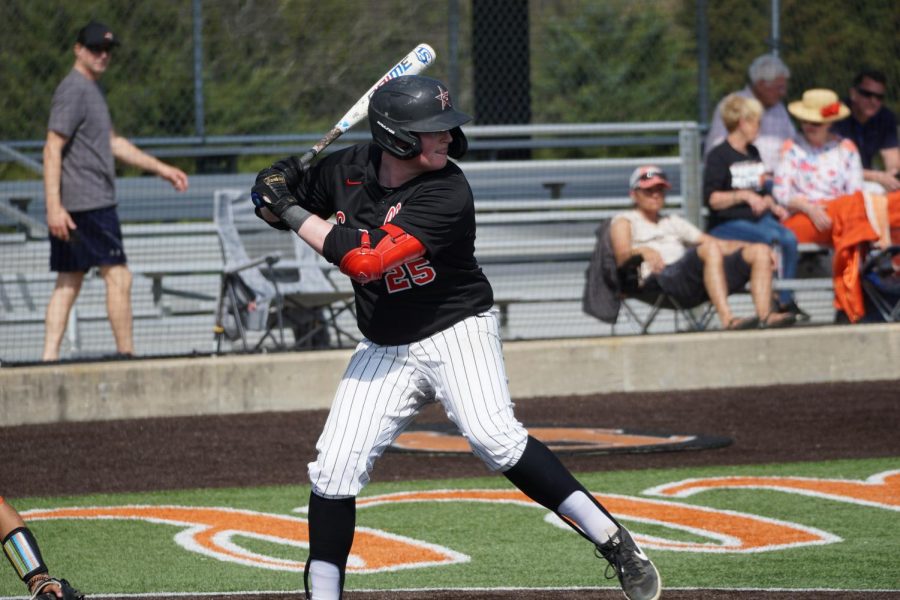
{"x": 647, "y": 177}
{"x": 97, "y": 35}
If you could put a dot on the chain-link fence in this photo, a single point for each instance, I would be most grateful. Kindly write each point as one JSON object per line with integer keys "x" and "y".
{"x": 220, "y": 88}
{"x": 204, "y": 68}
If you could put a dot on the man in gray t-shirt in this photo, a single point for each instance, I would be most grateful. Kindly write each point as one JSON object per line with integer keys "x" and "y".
{"x": 79, "y": 188}
{"x": 88, "y": 166}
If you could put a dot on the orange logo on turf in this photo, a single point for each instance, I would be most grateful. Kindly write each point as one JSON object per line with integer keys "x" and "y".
{"x": 216, "y": 532}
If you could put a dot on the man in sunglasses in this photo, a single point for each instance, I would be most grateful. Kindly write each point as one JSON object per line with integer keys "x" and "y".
{"x": 79, "y": 187}
{"x": 873, "y": 128}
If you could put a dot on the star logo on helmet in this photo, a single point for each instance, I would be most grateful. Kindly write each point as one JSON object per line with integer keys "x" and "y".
{"x": 444, "y": 97}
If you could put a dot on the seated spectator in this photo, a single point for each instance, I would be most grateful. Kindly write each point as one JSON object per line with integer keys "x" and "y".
{"x": 768, "y": 84}
{"x": 736, "y": 191}
{"x": 815, "y": 166}
{"x": 873, "y": 128}
{"x": 689, "y": 265}
{"x": 819, "y": 179}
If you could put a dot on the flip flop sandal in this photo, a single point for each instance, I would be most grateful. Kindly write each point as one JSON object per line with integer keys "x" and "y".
{"x": 738, "y": 323}
{"x": 775, "y": 320}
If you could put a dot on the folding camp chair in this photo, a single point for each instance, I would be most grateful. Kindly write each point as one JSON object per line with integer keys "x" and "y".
{"x": 319, "y": 291}
{"x": 265, "y": 293}
{"x": 606, "y": 284}
{"x": 649, "y": 293}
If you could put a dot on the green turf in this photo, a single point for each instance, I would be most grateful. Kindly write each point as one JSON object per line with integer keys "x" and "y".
{"x": 508, "y": 545}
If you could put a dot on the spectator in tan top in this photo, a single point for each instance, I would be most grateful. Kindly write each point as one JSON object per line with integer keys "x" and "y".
{"x": 689, "y": 265}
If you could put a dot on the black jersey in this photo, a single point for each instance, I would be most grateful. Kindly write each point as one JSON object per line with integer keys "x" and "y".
{"x": 426, "y": 294}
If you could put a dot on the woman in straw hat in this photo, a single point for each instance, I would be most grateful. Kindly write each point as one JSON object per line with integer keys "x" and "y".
{"x": 819, "y": 179}
{"x": 816, "y": 165}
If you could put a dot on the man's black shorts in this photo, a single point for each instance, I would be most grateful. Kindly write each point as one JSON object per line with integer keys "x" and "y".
{"x": 97, "y": 241}
{"x": 683, "y": 279}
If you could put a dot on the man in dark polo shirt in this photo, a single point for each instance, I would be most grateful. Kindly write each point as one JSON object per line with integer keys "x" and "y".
{"x": 873, "y": 128}
{"x": 79, "y": 187}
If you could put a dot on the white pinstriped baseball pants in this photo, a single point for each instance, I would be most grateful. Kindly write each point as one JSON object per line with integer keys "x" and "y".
{"x": 384, "y": 387}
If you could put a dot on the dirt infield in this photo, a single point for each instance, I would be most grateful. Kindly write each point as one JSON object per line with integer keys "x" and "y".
{"x": 768, "y": 424}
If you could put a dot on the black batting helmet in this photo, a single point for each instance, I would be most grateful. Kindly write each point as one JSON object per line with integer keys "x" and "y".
{"x": 414, "y": 104}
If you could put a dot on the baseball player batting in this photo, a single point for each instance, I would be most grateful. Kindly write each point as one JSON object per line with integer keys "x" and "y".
{"x": 405, "y": 235}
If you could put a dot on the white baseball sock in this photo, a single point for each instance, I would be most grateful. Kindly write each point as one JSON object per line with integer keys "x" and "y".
{"x": 588, "y": 516}
{"x": 324, "y": 580}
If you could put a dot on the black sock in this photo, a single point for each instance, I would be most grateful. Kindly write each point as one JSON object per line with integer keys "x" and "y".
{"x": 542, "y": 477}
{"x": 331, "y": 527}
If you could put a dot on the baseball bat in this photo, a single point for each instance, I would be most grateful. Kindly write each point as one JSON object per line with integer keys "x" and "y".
{"x": 420, "y": 58}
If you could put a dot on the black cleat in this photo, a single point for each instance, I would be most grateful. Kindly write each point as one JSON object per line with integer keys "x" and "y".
{"x": 637, "y": 575}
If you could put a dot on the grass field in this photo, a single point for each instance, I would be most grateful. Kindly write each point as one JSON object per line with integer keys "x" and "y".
{"x": 163, "y": 542}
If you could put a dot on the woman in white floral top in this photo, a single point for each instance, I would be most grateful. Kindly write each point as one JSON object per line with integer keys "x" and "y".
{"x": 816, "y": 166}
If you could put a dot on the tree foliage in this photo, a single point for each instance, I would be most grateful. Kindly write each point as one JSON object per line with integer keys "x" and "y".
{"x": 613, "y": 61}
{"x": 293, "y": 66}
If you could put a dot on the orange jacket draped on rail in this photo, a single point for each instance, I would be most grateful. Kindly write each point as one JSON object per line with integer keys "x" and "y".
{"x": 855, "y": 219}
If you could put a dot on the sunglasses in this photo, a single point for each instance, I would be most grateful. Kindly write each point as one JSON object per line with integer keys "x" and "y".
{"x": 99, "y": 49}
{"x": 653, "y": 175}
{"x": 656, "y": 190}
{"x": 870, "y": 94}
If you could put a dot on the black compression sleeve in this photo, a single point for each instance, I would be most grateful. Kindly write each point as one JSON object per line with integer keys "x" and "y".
{"x": 542, "y": 477}
{"x": 331, "y": 526}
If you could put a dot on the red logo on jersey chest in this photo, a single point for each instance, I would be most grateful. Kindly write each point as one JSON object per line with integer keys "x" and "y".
{"x": 392, "y": 212}
{"x": 340, "y": 217}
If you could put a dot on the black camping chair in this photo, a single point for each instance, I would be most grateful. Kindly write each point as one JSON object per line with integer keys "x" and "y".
{"x": 648, "y": 292}
{"x": 608, "y": 287}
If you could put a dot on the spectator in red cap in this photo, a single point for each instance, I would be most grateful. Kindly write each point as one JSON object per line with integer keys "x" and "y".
{"x": 689, "y": 265}
{"x": 79, "y": 186}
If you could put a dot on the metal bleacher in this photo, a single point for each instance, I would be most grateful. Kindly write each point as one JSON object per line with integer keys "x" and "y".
{"x": 536, "y": 222}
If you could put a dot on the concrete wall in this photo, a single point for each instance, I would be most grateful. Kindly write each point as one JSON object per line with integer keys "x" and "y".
{"x": 307, "y": 380}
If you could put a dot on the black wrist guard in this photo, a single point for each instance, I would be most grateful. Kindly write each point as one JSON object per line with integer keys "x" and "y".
{"x": 276, "y": 225}
{"x": 22, "y": 551}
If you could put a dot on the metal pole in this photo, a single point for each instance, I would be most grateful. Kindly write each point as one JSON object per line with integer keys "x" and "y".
{"x": 702, "y": 64}
{"x": 199, "y": 118}
{"x": 776, "y": 26}
{"x": 453, "y": 45}
{"x": 691, "y": 185}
